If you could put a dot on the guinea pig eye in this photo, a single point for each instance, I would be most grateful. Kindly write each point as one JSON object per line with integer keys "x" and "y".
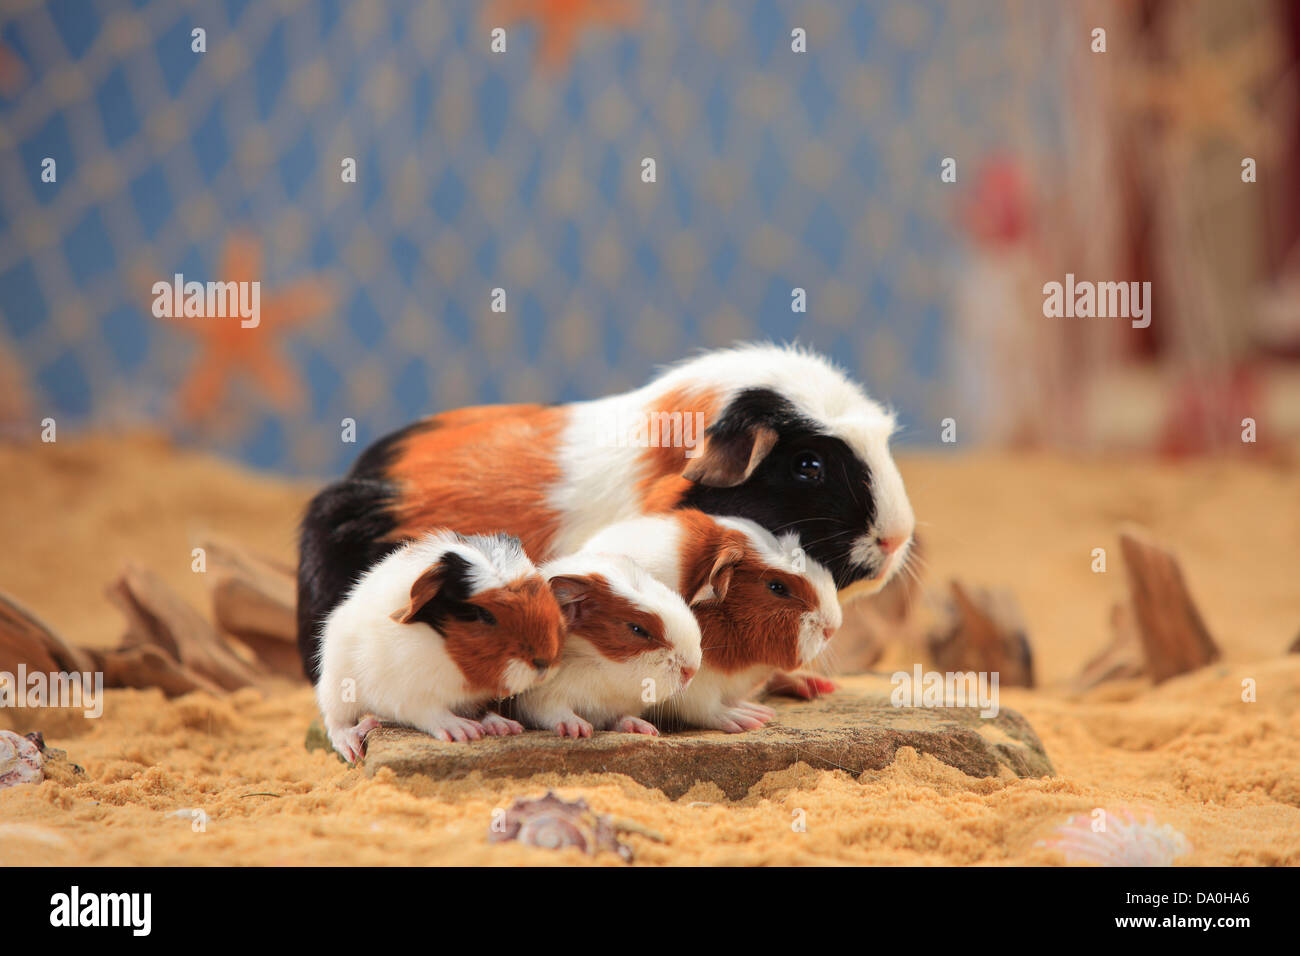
{"x": 778, "y": 588}
{"x": 637, "y": 629}
{"x": 807, "y": 466}
{"x": 485, "y": 616}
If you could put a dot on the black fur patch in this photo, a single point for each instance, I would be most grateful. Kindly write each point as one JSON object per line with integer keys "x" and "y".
{"x": 450, "y": 600}
{"x": 342, "y": 535}
{"x": 828, "y": 515}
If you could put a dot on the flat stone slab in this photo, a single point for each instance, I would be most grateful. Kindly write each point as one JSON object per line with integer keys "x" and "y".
{"x": 854, "y": 729}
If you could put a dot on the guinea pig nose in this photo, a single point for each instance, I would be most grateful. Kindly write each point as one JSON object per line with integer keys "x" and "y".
{"x": 687, "y": 674}
{"x": 540, "y": 663}
{"x": 828, "y": 632}
{"x": 889, "y": 545}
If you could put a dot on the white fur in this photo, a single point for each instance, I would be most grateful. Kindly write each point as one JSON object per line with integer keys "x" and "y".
{"x": 371, "y": 664}
{"x": 712, "y": 699}
{"x": 598, "y": 487}
{"x": 589, "y": 689}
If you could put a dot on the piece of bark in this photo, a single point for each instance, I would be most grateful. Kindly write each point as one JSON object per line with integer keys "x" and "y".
{"x": 1121, "y": 659}
{"x": 985, "y": 634}
{"x": 157, "y": 615}
{"x": 253, "y": 598}
{"x": 25, "y": 639}
{"x": 145, "y": 665}
{"x": 1174, "y": 637}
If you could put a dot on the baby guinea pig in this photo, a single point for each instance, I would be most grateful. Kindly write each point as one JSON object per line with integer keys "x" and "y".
{"x": 631, "y": 641}
{"x": 761, "y": 603}
{"x": 431, "y": 633}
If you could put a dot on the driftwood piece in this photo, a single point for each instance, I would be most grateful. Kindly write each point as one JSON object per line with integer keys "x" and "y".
{"x": 145, "y": 665}
{"x": 253, "y": 597}
{"x": 1121, "y": 659}
{"x": 985, "y": 634}
{"x": 25, "y": 639}
{"x": 1173, "y": 635}
{"x": 158, "y": 616}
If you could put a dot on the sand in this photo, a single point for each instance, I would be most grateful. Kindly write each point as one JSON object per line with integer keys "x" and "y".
{"x": 1191, "y": 752}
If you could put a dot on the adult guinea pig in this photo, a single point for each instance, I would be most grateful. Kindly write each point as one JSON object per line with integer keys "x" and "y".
{"x": 433, "y": 632}
{"x": 778, "y": 435}
{"x": 762, "y": 605}
{"x": 631, "y": 642}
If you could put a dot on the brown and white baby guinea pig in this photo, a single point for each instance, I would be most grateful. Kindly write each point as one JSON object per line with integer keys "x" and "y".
{"x": 431, "y": 634}
{"x": 762, "y": 605}
{"x": 631, "y": 642}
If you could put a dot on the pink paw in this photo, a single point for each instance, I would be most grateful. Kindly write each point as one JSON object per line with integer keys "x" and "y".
{"x": 635, "y": 725}
{"x": 350, "y": 742}
{"x": 455, "y": 729}
{"x": 574, "y": 727}
{"x": 804, "y": 686}
{"x": 494, "y": 725}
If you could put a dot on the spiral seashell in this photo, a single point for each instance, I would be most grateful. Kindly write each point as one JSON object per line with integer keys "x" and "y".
{"x": 554, "y": 832}
{"x": 553, "y": 823}
{"x": 1128, "y": 840}
{"x": 20, "y": 760}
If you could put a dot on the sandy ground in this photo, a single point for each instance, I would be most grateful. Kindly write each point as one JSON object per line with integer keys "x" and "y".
{"x": 1192, "y": 753}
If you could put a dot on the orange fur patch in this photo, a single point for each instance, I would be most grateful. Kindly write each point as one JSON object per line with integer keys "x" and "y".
{"x": 605, "y": 619}
{"x": 478, "y": 470}
{"x": 529, "y": 628}
{"x": 660, "y": 484}
{"x": 749, "y": 624}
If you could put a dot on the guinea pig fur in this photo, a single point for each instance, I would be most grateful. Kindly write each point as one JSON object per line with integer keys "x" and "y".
{"x": 631, "y": 641}
{"x": 775, "y": 434}
{"x": 431, "y": 633}
{"x": 762, "y": 605}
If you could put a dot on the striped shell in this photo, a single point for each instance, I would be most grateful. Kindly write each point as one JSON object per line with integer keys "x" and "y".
{"x": 20, "y": 760}
{"x": 1128, "y": 840}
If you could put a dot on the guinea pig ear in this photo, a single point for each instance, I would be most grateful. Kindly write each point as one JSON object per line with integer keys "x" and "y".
{"x": 574, "y": 596}
{"x": 730, "y": 458}
{"x": 424, "y": 590}
{"x": 719, "y": 582}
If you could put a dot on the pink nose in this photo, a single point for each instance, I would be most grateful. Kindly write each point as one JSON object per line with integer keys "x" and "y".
{"x": 828, "y": 632}
{"x": 687, "y": 674}
{"x": 890, "y": 545}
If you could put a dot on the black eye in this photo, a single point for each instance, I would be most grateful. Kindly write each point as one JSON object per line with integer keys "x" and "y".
{"x": 638, "y": 630}
{"x": 807, "y": 466}
{"x": 486, "y": 616}
{"x": 777, "y": 588}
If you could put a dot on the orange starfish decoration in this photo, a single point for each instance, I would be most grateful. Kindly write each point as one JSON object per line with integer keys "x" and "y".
{"x": 561, "y": 21}
{"x": 229, "y": 348}
{"x": 12, "y": 71}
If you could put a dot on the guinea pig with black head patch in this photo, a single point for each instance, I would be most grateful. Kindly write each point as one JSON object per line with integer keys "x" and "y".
{"x": 431, "y": 634}
{"x": 762, "y": 604}
{"x": 777, "y": 435}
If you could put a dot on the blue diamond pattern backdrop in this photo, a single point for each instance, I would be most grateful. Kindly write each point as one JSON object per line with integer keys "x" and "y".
{"x": 476, "y": 170}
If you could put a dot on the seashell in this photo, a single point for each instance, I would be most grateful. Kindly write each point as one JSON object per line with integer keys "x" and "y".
{"x": 1128, "y": 840}
{"x": 20, "y": 760}
{"x": 554, "y": 823}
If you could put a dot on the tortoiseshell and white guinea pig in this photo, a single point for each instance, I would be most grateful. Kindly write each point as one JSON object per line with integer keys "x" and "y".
{"x": 761, "y": 603}
{"x": 775, "y": 434}
{"x": 432, "y": 633}
{"x": 631, "y": 640}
